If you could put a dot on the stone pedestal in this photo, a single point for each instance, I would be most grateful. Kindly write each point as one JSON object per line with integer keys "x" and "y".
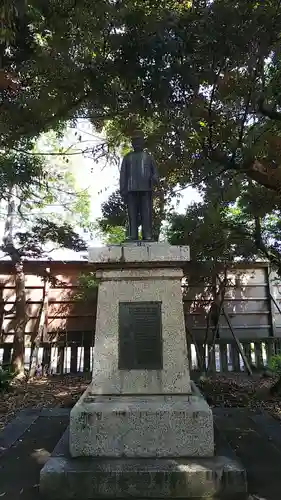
{"x": 141, "y": 420}
{"x": 143, "y": 412}
{"x": 163, "y": 286}
{"x": 141, "y": 427}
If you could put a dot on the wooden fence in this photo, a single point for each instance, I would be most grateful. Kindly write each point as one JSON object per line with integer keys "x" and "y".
{"x": 252, "y": 302}
{"x": 63, "y": 327}
{"x": 224, "y": 358}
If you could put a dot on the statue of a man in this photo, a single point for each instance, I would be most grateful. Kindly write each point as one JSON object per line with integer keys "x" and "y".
{"x": 137, "y": 177}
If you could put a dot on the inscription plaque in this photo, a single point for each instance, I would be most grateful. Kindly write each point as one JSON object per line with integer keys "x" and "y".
{"x": 140, "y": 336}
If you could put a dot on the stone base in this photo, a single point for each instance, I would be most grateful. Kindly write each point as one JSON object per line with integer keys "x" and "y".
{"x": 142, "y": 426}
{"x": 64, "y": 477}
{"x": 139, "y": 251}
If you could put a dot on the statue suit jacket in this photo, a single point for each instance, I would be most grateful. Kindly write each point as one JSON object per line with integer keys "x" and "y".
{"x": 138, "y": 172}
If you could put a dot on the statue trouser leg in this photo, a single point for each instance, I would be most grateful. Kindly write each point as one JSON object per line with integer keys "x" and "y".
{"x": 146, "y": 214}
{"x": 133, "y": 214}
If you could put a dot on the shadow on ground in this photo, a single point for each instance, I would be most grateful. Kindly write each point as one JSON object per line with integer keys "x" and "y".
{"x": 20, "y": 464}
{"x": 254, "y": 436}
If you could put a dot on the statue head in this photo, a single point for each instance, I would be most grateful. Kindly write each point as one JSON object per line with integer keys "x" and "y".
{"x": 137, "y": 140}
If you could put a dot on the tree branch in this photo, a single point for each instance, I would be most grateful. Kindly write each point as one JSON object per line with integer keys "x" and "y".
{"x": 265, "y": 111}
{"x": 211, "y": 123}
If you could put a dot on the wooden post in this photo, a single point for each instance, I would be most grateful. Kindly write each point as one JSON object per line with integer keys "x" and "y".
{"x": 7, "y": 354}
{"x": 201, "y": 356}
{"x": 216, "y": 310}
{"x": 73, "y": 358}
{"x": 258, "y": 355}
{"x": 60, "y": 363}
{"x": 278, "y": 346}
{"x": 223, "y": 358}
{"x": 212, "y": 359}
{"x": 234, "y": 354}
{"x": 269, "y": 350}
{"x": 87, "y": 358}
{"x": 46, "y": 361}
{"x": 2, "y": 310}
{"x": 40, "y": 335}
{"x": 247, "y": 351}
{"x": 271, "y": 300}
{"x": 239, "y": 346}
{"x": 190, "y": 339}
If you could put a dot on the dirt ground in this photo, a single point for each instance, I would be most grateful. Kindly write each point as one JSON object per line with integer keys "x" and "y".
{"x": 241, "y": 391}
{"x": 237, "y": 390}
{"x": 62, "y": 391}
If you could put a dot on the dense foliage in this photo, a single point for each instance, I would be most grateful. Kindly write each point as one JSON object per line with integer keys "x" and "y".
{"x": 205, "y": 90}
{"x": 41, "y": 212}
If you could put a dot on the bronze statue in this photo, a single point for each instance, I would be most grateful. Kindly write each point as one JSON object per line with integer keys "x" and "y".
{"x": 137, "y": 177}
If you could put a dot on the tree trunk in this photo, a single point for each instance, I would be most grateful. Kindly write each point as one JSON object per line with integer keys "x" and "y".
{"x": 266, "y": 176}
{"x": 21, "y": 319}
{"x": 41, "y": 328}
{"x": 20, "y": 302}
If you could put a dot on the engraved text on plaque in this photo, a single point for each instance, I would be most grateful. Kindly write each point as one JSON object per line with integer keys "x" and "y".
{"x": 140, "y": 336}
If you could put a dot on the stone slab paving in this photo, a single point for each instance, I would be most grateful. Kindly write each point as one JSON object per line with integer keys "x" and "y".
{"x": 27, "y": 442}
{"x": 30, "y": 448}
{"x": 16, "y": 428}
{"x": 251, "y": 436}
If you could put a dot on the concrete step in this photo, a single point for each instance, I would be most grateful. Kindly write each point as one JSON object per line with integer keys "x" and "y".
{"x": 221, "y": 476}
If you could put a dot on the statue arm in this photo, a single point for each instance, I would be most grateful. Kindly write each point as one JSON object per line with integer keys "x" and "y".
{"x": 123, "y": 178}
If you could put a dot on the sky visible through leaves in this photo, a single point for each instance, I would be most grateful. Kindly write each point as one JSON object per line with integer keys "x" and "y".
{"x": 98, "y": 179}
